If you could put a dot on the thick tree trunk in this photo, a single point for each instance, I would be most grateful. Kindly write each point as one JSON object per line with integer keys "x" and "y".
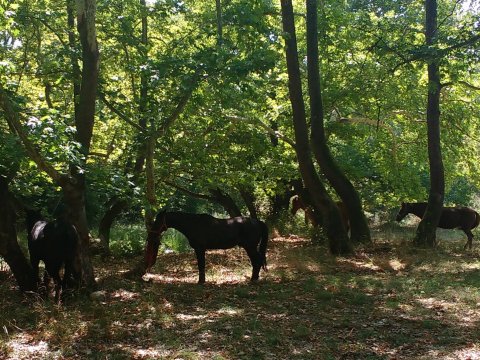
{"x": 90, "y": 66}
{"x": 339, "y": 242}
{"x": 74, "y": 188}
{"x": 426, "y": 231}
{"x": 344, "y": 188}
{"x": 74, "y": 197}
{"x": 9, "y": 248}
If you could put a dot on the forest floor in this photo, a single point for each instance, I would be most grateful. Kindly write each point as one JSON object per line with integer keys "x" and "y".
{"x": 388, "y": 301}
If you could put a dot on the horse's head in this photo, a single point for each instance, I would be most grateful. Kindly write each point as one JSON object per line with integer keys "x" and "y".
{"x": 297, "y": 204}
{"x": 31, "y": 217}
{"x": 404, "y": 210}
{"x": 153, "y": 238}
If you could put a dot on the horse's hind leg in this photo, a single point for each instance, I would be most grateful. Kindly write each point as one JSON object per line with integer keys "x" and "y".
{"x": 470, "y": 239}
{"x": 34, "y": 262}
{"x": 58, "y": 287}
{"x": 256, "y": 260}
{"x": 200, "y": 253}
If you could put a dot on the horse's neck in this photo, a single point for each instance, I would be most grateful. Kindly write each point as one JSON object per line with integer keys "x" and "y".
{"x": 418, "y": 209}
{"x": 178, "y": 221}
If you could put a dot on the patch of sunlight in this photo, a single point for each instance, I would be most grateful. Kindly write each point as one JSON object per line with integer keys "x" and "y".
{"x": 470, "y": 352}
{"x": 229, "y": 311}
{"x": 226, "y": 277}
{"x": 436, "y": 304}
{"x": 406, "y": 307}
{"x": 471, "y": 266}
{"x": 396, "y": 265}
{"x": 362, "y": 264}
{"x": 142, "y": 353}
{"x": 463, "y": 315}
{"x": 149, "y": 277}
{"x": 24, "y": 348}
{"x": 124, "y": 295}
{"x": 148, "y": 353}
{"x": 189, "y": 317}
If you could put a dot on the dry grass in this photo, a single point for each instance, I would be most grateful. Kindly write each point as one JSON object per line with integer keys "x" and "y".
{"x": 386, "y": 302}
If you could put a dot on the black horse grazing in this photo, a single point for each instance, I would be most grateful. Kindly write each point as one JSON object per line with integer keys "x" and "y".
{"x": 204, "y": 232}
{"x": 55, "y": 243}
{"x": 458, "y": 217}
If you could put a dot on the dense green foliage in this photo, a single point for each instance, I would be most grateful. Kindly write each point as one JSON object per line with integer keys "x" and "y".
{"x": 373, "y": 78}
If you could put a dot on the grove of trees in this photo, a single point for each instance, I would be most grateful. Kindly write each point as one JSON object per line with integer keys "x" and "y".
{"x": 111, "y": 108}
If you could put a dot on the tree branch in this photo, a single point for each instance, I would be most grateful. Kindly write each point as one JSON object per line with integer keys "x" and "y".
{"x": 121, "y": 115}
{"x": 32, "y": 151}
{"x": 189, "y": 192}
{"x": 264, "y": 126}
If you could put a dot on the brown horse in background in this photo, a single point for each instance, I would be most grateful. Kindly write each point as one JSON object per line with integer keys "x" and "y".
{"x": 298, "y": 204}
{"x": 458, "y": 217}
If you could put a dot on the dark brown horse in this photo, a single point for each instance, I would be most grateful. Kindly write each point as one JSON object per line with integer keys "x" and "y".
{"x": 204, "y": 232}
{"x": 55, "y": 243}
{"x": 298, "y": 204}
{"x": 458, "y": 217}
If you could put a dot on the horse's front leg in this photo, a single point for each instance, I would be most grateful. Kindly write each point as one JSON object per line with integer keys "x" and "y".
{"x": 200, "y": 253}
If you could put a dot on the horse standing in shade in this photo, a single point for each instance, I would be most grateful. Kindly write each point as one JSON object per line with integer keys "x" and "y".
{"x": 204, "y": 232}
{"x": 458, "y": 217}
{"x": 298, "y": 204}
{"x": 55, "y": 243}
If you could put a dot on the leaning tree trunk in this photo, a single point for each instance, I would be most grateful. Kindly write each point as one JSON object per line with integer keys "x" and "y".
{"x": 338, "y": 240}
{"x": 426, "y": 231}
{"x": 249, "y": 199}
{"x": 114, "y": 208}
{"x": 344, "y": 188}
{"x": 9, "y": 248}
{"x": 226, "y": 202}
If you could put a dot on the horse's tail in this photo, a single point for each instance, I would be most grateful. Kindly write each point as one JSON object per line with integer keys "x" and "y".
{"x": 263, "y": 244}
{"x": 477, "y": 220}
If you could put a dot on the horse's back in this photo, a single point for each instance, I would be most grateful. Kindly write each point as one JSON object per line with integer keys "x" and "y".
{"x": 227, "y": 233}
{"x": 459, "y": 217}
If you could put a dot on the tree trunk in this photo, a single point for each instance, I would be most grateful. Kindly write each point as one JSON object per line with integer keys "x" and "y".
{"x": 426, "y": 231}
{"x": 9, "y": 248}
{"x": 339, "y": 242}
{"x": 310, "y": 213}
{"x": 344, "y": 188}
{"x": 74, "y": 189}
{"x": 226, "y": 202}
{"x": 76, "y": 73}
{"x": 74, "y": 197}
{"x": 218, "y": 6}
{"x": 249, "y": 199}
{"x": 115, "y": 207}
